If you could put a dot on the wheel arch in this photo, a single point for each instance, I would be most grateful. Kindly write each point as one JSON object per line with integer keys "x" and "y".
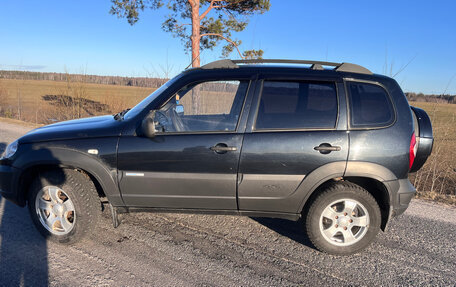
{"x": 376, "y": 188}
{"x": 371, "y": 177}
{"x": 38, "y": 161}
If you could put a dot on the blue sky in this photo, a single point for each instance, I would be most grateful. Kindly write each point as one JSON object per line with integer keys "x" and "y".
{"x": 82, "y": 37}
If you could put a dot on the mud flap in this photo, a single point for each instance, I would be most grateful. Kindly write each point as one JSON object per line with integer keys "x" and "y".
{"x": 115, "y": 216}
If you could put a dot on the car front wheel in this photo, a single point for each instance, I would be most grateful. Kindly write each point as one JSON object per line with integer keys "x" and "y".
{"x": 64, "y": 205}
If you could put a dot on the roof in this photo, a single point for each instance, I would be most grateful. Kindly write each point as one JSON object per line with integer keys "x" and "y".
{"x": 314, "y": 65}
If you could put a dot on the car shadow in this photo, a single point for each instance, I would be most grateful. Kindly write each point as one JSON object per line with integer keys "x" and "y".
{"x": 23, "y": 251}
{"x": 291, "y": 229}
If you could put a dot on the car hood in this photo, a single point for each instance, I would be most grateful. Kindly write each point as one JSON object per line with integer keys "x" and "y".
{"x": 102, "y": 126}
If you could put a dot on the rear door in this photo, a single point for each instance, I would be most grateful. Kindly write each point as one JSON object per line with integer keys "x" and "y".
{"x": 295, "y": 127}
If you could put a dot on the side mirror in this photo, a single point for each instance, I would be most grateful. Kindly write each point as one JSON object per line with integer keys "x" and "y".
{"x": 148, "y": 125}
{"x": 179, "y": 110}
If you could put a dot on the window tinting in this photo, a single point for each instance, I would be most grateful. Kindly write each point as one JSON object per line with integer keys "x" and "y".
{"x": 297, "y": 105}
{"x": 370, "y": 105}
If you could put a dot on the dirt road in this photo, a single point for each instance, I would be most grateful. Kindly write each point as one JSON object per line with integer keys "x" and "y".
{"x": 202, "y": 250}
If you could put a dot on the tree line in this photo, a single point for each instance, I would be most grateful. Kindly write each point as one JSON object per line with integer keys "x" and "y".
{"x": 420, "y": 97}
{"x": 65, "y": 77}
{"x": 157, "y": 82}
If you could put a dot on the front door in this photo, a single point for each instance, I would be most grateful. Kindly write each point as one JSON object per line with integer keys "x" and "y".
{"x": 193, "y": 159}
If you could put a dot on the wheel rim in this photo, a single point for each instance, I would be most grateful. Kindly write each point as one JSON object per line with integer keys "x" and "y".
{"x": 55, "y": 210}
{"x": 344, "y": 222}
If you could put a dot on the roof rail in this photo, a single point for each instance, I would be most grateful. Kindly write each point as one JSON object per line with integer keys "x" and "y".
{"x": 315, "y": 65}
{"x": 221, "y": 64}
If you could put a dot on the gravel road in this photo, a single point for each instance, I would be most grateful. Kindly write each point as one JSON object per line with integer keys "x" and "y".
{"x": 202, "y": 250}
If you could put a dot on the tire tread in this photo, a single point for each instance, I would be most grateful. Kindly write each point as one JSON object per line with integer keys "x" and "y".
{"x": 83, "y": 193}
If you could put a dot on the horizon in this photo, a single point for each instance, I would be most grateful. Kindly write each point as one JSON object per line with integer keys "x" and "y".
{"x": 161, "y": 78}
{"x": 410, "y": 39}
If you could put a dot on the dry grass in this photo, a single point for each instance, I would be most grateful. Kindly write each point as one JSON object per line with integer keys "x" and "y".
{"x": 436, "y": 180}
{"x": 23, "y": 99}
{"x": 20, "y": 123}
{"x": 433, "y": 196}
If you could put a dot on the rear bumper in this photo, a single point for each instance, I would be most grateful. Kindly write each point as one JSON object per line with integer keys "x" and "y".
{"x": 402, "y": 192}
{"x": 8, "y": 189}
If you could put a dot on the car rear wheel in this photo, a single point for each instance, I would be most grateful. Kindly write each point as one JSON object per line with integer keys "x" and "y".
{"x": 343, "y": 219}
{"x": 64, "y": 205}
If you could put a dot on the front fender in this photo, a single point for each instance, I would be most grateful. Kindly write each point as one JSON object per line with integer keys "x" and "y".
{"x": 106, "y": 176}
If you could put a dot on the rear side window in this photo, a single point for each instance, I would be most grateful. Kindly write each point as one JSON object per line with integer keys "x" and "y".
{"x": 297, "y": 105}
{"x": 370, "y": 105}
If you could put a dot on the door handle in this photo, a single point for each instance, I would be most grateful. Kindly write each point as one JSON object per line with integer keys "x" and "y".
{"x": 223, "y": 148}
{"x": 326, "y": 148}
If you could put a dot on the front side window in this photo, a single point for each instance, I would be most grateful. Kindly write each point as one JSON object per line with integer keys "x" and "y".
{"x": 297, "y": 105}
{"x": 136, "y": 110}
{"x": 370, "y": 105}
{"x": 203, "y": 107}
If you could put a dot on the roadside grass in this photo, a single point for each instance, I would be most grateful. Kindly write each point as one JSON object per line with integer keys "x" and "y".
{"x": 436, "y": 180}
{"x": 43, "y": 102}
{"x": 20, "y": 123}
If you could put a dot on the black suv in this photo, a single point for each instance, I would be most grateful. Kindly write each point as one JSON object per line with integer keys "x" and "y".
{"x": 329, "y": 143}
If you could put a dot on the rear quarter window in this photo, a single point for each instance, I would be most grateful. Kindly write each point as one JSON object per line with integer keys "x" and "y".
{"x": 370, "y": 105}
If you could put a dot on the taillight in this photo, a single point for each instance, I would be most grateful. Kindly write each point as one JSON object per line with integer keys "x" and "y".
{"x": 412, "y": 151}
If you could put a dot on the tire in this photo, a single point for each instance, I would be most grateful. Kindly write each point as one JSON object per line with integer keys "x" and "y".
{"x": 343, "y": 219}
{"x": 64, "y": 205}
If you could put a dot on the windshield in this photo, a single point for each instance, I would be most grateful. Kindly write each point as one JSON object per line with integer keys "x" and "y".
{"x": 144, "y": 103}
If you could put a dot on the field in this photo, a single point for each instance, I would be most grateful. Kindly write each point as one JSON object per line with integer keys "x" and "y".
{"x": 437, "y": 179}
{"x": 43, "y": 102}
{"x": 47, "y": 101}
